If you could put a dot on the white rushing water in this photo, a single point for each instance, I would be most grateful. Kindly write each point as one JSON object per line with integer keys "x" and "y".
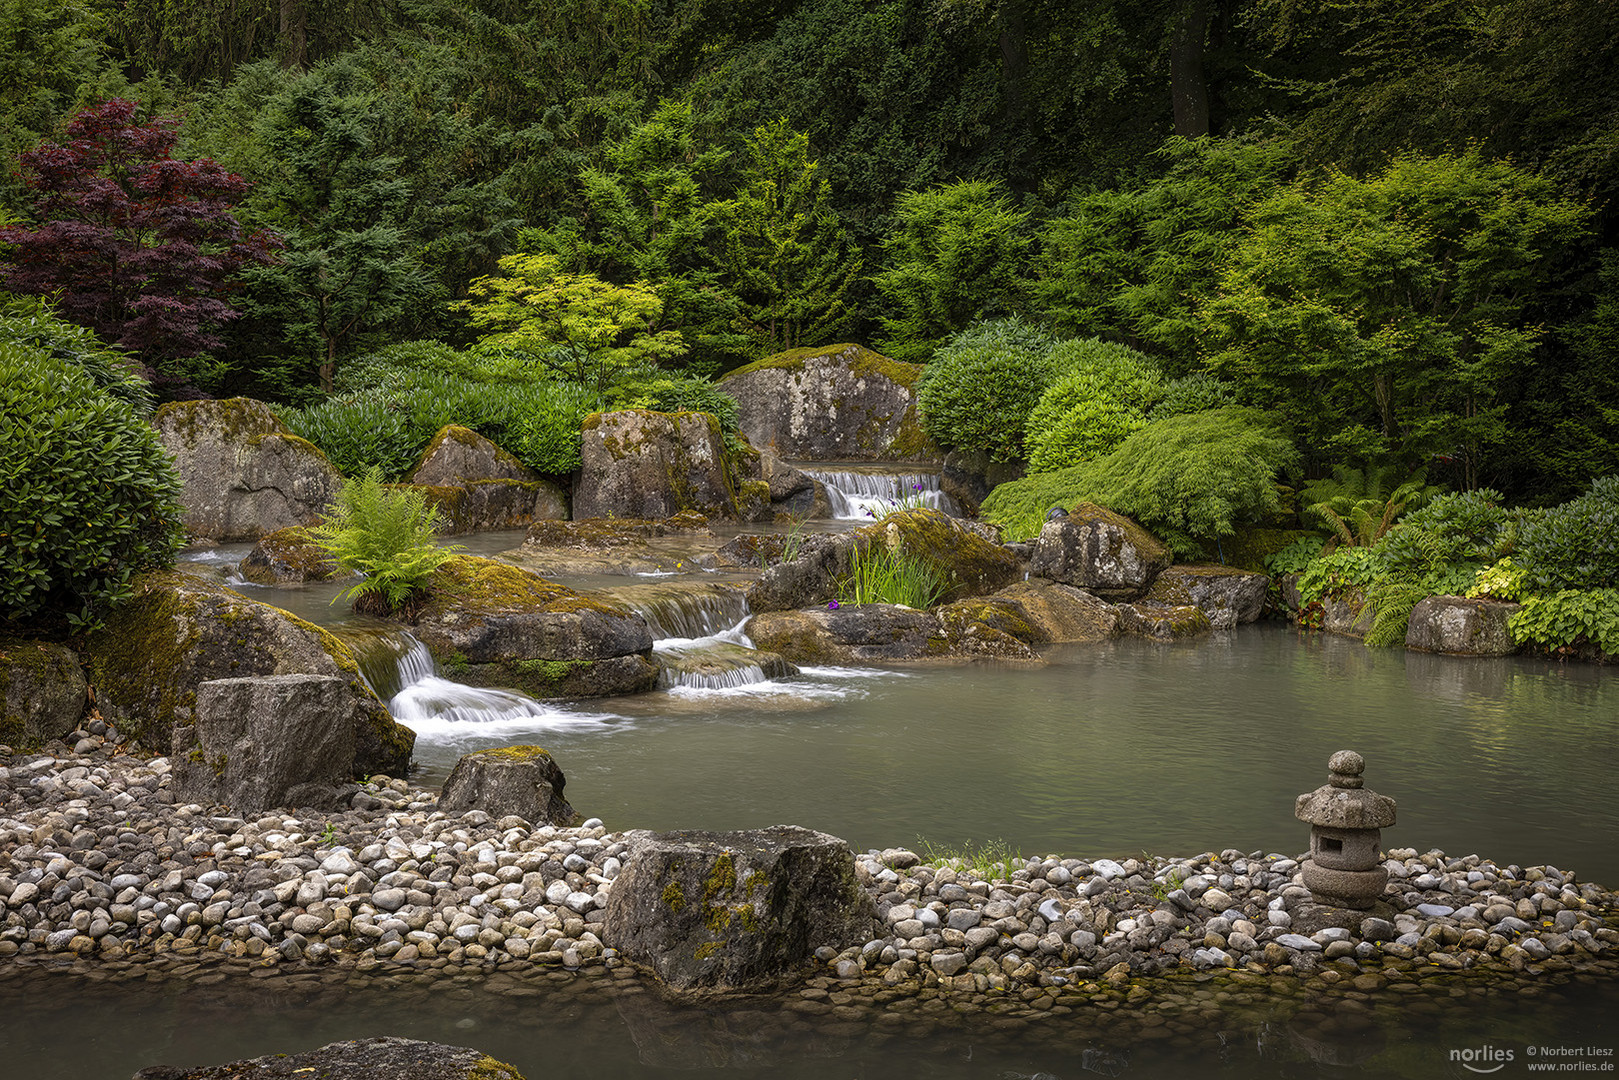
{"x": 862, "y": 495}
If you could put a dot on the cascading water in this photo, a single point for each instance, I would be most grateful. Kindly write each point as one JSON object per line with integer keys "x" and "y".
{"x": 698, "y": 639}
{"x": 859, "y": 495}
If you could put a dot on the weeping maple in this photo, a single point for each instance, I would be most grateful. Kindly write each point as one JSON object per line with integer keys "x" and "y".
{"x": 131, "y": 242}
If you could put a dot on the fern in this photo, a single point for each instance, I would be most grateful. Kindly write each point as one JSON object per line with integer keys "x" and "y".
{"x": 387, "y": 535}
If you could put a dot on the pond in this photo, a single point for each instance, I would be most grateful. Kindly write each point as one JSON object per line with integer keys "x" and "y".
{"x": 1117, "y": 749}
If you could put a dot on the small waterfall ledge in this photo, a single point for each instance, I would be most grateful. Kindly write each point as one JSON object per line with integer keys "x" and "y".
{"x": 863, "y": 494}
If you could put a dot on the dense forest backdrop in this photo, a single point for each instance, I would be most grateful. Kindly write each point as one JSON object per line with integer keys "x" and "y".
{"x": 728, "y": 180}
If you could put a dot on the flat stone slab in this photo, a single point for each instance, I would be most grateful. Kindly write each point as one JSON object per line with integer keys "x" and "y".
{"x": 386, "y": 1058}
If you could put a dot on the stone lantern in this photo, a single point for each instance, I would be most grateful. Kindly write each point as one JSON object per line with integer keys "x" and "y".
{"x": 1345, "y": 818}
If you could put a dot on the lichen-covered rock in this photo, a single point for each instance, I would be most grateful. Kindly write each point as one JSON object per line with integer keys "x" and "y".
{"x": 737, "y": 911}
{"x": 792, "y": 491}
{"x": 643, "y": 464}
{"x": 1094, "y": 549}
{"x": 838, "y": 403}
{"x": 1062, "y": 613}
{"x": 1345, "y": 611}
{"x": 286, "y": 557}
{"x": 386, "y": 1058}
{"x": 878, "y": 633}
{"x": 511, "y": 780}
{"x": 614, "y": 532}
{"x": 1163, "y": 622}
{"x": 271, "y": 741}
{"x": 492, "y": 624}
{"x": 973, "y": 565}
{"x": 1228, "y": 596}
{"x": 177, "y": 632}
{"x": 486, "y": 505}
{"x": 42, "y": 691}
{"x": 458, "y": 456}
{"x": 243, "y": 473}
{"x": 1461, "y": 627}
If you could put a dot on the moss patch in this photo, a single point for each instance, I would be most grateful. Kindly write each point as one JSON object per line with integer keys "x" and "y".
{"x": 863, "y": 362}
{"x": 477, "y": 584}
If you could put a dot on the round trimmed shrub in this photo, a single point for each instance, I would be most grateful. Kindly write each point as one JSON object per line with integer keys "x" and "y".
{"x": 1101, "y": 398}
{"x": 88, "y": 496}
{"x": 978, "y": 390}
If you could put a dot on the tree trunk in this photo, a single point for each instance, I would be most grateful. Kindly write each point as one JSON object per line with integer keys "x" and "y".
{"x": 294, "y": 32}
{"x": 1188, "y": 89}
{"x": 1014, "y": 46}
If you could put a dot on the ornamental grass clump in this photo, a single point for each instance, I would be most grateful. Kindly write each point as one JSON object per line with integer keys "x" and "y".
{"x": 880, "y": 575}
{"x": 386, "y": 534}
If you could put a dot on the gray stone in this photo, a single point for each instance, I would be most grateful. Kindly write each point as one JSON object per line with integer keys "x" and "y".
{"x": 876, "y": 632}
{"x": 522, "y": 781}
{"x": 387, "y": 1058}
{"x": 643, "y": 464}
{"x": 1226, "y": 595}
{"x": 243, "y": 473}
{"x": 268, "y": 741}
{"x": 841, "y": 403}
{"x": 1461, "y": 627}
{"x": 1062, "y": 613}
{"x": 458, "y": 456}
{"x": 43, "y": 692}
{"x": 1162, "y": 622}
{"x": 487, "y": 505}
{"x": 737, "y": 910}
{"x": 1102, "y": 552}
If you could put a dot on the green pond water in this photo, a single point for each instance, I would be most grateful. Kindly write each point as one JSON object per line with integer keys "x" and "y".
{"x": 1106, "y": 750}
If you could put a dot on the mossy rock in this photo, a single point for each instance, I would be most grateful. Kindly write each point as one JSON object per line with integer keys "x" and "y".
{"x": 490, "y": 505}
{"x": 1227, "y": 595}
{"x": 1061, "y": 613}
{"x": 1163, "y": 622}
{"x": 885, "y": 633}
{"x": 178, "y": 631}
{"x": 640, "y": 463}
{"x": 521, "y": 781}
{"x": 614, "y": 532}
{"x": 286, "y": 557}
{"x": 43, "y": 693}
{"x": 1105, "y": 553}
{"x": 838, "y": 402}
{"x": 459, "y": 456}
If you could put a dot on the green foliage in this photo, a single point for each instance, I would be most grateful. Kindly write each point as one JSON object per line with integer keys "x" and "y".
{"x": 1575, "y": 545}
{"x": 1189, "y": 479}
{"x": 1359, "y": 506}
{"x": 577, "y": 326}
{"x": 386, "y": 534}
{"x": 978, "y": 389}
{"x": 955, "y": 256}
{"x": 994, "y": 860}
{"x": 29, "y": 323}
{"x": 1101, "y": 397}
{"x": 1467, "y": 528}
{"x": 87, "y": 494}
{"x": 1193, "y": 393}
{"x": 1349, "y": 567}
{"x": 1390, "y": 315}
{"x": 1295, "y": 557}
{"x": 880, "y": 575}
{"x": 787, "y": 255}
{"x": 1502, "y": 580}
{"x": 1568, "y": 621}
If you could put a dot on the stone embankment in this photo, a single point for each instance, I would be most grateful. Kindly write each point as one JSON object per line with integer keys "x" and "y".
{"x": 99, "y": 864}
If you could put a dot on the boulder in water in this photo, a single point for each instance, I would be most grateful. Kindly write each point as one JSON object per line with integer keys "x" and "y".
{"x": 243, "y": 473}
{"x": 837, "y": 403}
{"x": 642, "y": 464}
{"x": 736, "y": 911}
{"x": 1163, "y": 622}
{"x": 489, "y": 623}
{"x": 458, "y": 456}
{"x": 270, "y": 741}
{"x": 510, "y": 780}
{"x": 876, "y": 633}
{"x": 1459, "y": 626}
{"x": 286, "y": 557}
{"x": 1061, "y": 613}
{"x": 386, "y": 1058}
{"x": 1101, "y": 552}
{"x": 1227, "y": 595}
{"x": 177, "y": 632}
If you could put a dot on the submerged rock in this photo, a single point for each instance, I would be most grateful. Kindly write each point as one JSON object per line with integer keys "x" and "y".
{"x": 734, "y": 911}
{"x": 836, "y": 403}
{"x": 244, "y": 473}
{"x": 385, "y": 1058}
{"x": 1105, "y": 553}
{"x": 177, "y": 632}
{"x": 1460, "y": 626}
{"x": 511, "y": 780}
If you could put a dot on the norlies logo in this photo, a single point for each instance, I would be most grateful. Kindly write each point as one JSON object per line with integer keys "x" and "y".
{"x": 1483, "y": 1059}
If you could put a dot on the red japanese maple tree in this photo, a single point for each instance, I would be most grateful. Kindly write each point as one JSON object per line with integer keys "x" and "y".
{"x": 131, "y": 242}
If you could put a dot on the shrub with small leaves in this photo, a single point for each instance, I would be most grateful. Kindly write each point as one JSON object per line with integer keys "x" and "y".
{"x": 87, "y": 495}
{"x": 1575, "y": 545}
{"x": 978, "y": 390}
{"x": 1100, "y": 398}
{"x": 29, "y": 322}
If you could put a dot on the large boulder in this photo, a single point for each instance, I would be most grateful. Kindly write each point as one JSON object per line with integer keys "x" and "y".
{"x": 487, "y": 505}
{"x": 838, "y": 403}
{"x": 43, "y": 692}
{"x": 270, "y": 741}
{"x": 490, "y": 623}
{"x": 882, "y": 633}
{"x": 1104, "y": 553}
{"x": 973, "y": 565}
{"x": 244, "y": 474}
{"x": 286, "y": 557}
{"x": 1163, "y": 622}
{"x": 1062, "y": 613}
{"x": 1344, "y": 611}
{"x": 458, "y": 456}
{"x": 1228, "y": 596}
{"x": 738, "y": 911}
{"x": 643, "y": 464}
{"x": 615, "y": 546}
{"x": 384, "y": 1058}
{"x": 1461, "y": 627}
{"x": 510, "y": 780}
{"x": 177, "y": 632}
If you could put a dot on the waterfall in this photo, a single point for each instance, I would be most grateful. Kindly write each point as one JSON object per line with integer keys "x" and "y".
{"x": 678, "y": 610}
{"x": 862, "y": 495}
{"x": 698, "y": 640}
